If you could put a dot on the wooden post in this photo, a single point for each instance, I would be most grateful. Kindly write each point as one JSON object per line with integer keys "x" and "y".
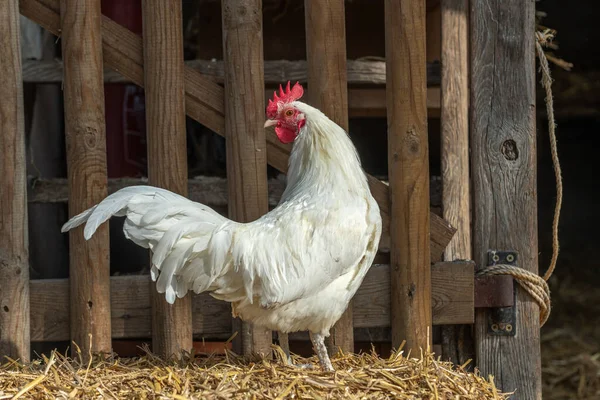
{"x": 503, "y": 148}
{"x": 89, "y": 270}
{"x": 408, "y": 149}
{"x": 14, "y": 257}
{"x": 455, "y": 153}
{"x": 167, "y": 151}
{"x": 245, "y": 132}
{"x": 328, "y": 91}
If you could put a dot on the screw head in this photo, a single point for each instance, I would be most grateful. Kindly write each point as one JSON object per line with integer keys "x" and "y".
{"x": 495, "y": 327}
{"x": 509, "y": 327}
{"x": 496, "y": 257}
{"x": 510, "y": 258}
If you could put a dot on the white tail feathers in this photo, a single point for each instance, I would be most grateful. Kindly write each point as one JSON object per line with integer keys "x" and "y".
{"x": 176, "y": 229}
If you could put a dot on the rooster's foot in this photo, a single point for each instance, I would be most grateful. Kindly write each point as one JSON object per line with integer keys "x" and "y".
{"x": 304, "y": 366}
{"x": 318, "y": 341}
{"x": 290, "y": 363}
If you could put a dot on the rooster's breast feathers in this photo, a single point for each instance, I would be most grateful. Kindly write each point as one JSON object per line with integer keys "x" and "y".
{"x": 295, "y": 251}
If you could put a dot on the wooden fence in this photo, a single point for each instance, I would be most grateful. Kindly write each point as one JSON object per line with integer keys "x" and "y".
{"x": 410, "y": 289}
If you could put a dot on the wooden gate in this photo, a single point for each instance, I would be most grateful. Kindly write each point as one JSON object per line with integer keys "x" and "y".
{"x": 410, "y": 289}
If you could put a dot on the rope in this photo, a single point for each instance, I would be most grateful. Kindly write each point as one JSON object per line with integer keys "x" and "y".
{"x": 544, "y": 38}
{"x": 535, "y": 285}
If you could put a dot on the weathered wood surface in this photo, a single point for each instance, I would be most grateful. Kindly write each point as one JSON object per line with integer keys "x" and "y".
{"x": 14, "y": 255}
{"x": 503, "y": 151}
{"x": 325, "y": 27}
{"x": 245, "y": 133}
{"x": 455, "y": 153}
{"x": 85, "y": 133}
{"x": 452, "y": 290}
{"x": 359, "y": 72}
{"x": 205, "y": 102}
{"x": 408, "y": 165}
{"x": 167, "y": 150}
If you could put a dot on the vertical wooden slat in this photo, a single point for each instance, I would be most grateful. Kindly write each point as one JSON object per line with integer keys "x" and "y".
{"x": 455, "y": 126}
{"x": 503, "y": 151}
{"x": 406, "y": 94}
{"x": 14, "y": 257}
{"x": 245, "y": 132}
{"x": 455, "y": 152}
{"x": 328, "y": 91}
{"x": 167, "y": 151}
{"x": 86, "y": 164}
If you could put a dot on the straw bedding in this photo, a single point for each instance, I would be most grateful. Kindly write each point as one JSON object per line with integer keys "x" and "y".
{"x": 362, "y": 376}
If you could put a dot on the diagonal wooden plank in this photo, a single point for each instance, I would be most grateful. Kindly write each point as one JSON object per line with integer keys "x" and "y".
{"x": 205, "y": 103}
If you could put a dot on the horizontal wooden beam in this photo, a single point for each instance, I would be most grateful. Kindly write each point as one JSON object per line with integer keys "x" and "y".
{"x": 208, "y": 190}
{"x": 362, "y": 102}
{"x": 122, "y": 50}
{"x": 372, "y": 102}
{"x": 130, "y": 310}
{"x": 276, "y": 71}
{"x": 452, "y": 290}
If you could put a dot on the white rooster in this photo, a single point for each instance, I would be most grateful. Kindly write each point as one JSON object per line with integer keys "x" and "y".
{"x": 294, "y": 269}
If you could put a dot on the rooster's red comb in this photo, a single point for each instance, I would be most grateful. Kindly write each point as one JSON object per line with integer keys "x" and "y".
{"x": 286, "y": 96}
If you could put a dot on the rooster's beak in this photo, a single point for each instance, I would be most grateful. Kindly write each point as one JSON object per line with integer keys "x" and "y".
{"x": 270, "y": 122}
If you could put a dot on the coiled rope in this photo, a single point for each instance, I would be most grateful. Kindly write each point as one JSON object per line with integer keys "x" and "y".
{"x": 535, "y": 285}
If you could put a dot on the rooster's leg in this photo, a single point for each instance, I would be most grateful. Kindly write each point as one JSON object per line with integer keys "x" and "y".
{"x": 318, "y": 341}
{"x": 285, "y": 345}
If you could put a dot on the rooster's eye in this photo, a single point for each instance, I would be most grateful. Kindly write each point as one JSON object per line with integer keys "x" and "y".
{"x": 289, "y": 113}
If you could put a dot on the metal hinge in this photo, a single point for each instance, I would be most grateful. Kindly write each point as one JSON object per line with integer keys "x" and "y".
{"x": 502, "y": 320}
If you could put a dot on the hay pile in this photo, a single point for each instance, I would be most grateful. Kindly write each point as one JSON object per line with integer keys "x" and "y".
{"x": 363, "y": 376}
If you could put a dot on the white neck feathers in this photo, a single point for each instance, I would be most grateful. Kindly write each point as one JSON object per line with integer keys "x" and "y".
{"x": 323, "y": 156}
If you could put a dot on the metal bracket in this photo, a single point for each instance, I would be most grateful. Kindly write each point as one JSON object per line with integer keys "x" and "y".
{"x": 502, "y": 320}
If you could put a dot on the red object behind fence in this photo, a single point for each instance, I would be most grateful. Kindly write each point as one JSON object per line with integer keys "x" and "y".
{"x": 125, "y": 105}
